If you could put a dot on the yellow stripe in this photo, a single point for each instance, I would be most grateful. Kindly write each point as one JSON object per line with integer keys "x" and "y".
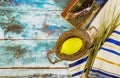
{"x": 108, "y": 61}
{"x": 116, "y": 36}
{"x": 78, "y": 68}
{"x": 111, "y": 46}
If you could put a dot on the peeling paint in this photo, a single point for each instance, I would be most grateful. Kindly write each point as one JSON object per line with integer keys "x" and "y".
{"x": 24, "y": 39}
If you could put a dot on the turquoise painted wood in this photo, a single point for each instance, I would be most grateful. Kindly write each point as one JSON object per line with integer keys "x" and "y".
{"x": 29, "y": 29}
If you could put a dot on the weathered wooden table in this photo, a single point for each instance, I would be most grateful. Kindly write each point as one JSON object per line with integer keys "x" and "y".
{"x": 29, "y": 29}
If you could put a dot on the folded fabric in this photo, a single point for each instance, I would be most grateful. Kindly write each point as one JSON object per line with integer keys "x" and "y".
{"x": 76, "y": 68}
{"x": 107, "y": 61}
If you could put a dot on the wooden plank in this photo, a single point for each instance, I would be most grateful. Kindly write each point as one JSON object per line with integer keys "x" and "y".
{"x": 26, "y": 53}
{"x": 28, "y": 73}
{"x": 34, "y": 4}
{"x": 37, "y": 25}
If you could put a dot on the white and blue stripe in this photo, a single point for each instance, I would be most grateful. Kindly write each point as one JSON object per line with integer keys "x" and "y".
{"x": 107, "y": 62}
{"x": 76, "y": 68}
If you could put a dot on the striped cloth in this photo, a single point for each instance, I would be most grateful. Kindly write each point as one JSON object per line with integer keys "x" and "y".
{"x": 76, "y": 67}
{"x": 107, "y": 62}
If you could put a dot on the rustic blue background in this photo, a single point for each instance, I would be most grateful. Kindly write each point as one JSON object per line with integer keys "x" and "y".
{"x": 41, "y": 25}
{"x": 35, "y": 39}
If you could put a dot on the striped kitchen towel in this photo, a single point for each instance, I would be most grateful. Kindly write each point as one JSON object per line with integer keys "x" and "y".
{"x": 107, "y": 61}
